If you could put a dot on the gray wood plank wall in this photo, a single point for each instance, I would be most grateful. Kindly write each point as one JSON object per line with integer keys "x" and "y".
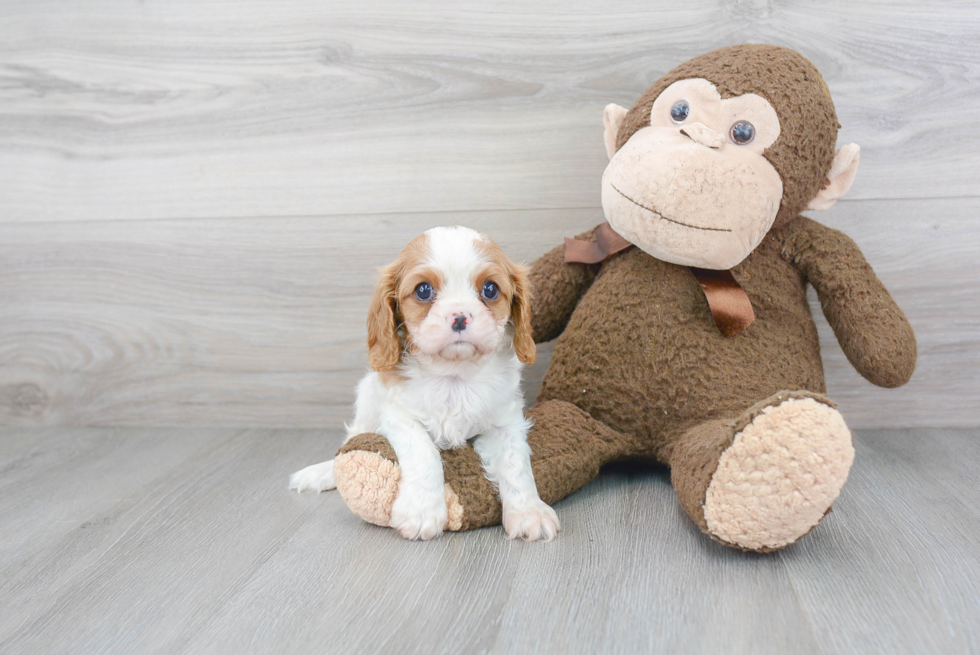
{"x": 194, "y": 196}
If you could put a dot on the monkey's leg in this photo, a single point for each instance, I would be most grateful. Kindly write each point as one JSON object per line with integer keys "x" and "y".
{"x": 765, "y": 479}
{"x": 567, "y": 449}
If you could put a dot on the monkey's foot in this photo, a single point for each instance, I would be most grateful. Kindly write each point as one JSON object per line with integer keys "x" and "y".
{"x": 779, "y": 476}
{"x": 366, "y": 473}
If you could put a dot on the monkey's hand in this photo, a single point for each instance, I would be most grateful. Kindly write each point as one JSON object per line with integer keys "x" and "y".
{"x": 870, "y": 326}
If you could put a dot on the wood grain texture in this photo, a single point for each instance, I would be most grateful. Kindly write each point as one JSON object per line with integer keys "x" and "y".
{"x": 194, "y": 198}
{"x": 915, "y": 492}
{"x": 195, "y": 195}
{"x": 209, "y": 553}
{"x": 66, "y": 480}
{"x": 155, "y": 562}
{"x": 261, "y": 321}
{"x": 117, "y": 110}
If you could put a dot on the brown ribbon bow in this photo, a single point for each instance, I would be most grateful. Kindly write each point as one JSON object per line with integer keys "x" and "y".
{"x": 729, "y": 304}
{"x": 607, "y": 242}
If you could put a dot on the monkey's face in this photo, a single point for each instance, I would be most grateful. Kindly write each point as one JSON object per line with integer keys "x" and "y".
{"x": 693, "y": 188}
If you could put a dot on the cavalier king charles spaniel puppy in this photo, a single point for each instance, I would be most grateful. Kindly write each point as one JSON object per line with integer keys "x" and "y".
{"x": 449, "y": 330}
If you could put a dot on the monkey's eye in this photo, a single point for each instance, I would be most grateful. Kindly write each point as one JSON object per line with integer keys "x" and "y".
{"x": 742, "y": 132}
{"x": 490, "y": 291}
{"x": 424, "y": 291}
{"x": 680, "y": 111}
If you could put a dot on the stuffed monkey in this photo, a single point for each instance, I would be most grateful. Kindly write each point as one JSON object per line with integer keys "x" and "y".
{"x": 683, "y": 332}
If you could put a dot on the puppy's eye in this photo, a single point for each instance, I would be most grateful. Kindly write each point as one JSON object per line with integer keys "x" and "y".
{"x": 424, "y": 291}
{"x": 742, "y": 132}
{"x": 680, "y": 111}
{"x": 490, "y": 291}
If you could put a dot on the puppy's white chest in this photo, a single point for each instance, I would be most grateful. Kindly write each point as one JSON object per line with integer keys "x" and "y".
{"x": 457, "y": 411}
{"x": 453, "y": 432}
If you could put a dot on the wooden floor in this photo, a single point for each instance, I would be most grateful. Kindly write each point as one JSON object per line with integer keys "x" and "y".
{"x": 194, "y": 198}
{"x": 186, "y": 540}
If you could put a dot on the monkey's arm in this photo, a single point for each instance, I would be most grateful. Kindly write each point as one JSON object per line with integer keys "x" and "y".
{"x": 556, "y": 288}
{"x": 870, "y": 326}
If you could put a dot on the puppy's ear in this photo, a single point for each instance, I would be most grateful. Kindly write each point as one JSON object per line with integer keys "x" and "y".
{"x": 384, "y": 349}
{"x": 520, "y": 314}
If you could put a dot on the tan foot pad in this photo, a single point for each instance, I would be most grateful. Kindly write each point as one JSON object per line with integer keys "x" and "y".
{"x": 779, "y": 476}
{"x": 368, "y": 483}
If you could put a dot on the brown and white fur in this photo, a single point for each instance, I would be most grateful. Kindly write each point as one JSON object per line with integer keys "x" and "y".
{"x": 447, "y": 366}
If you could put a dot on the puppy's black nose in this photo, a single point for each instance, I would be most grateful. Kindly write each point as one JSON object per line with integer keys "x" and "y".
{"x": 459, "y": 323}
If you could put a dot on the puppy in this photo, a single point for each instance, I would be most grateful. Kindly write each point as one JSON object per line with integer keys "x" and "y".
{"x": 449, "y": 330}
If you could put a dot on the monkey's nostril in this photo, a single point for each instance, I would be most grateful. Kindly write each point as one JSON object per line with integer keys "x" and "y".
{"x": 702, "y": 135}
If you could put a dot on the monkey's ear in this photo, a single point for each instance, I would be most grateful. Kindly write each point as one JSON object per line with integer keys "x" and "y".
{"x": 841, "y": 176}
{"x": 612, "y": 118}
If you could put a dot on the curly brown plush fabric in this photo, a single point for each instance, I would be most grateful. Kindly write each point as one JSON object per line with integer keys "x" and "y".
{"x": 640, "y": 370}
{"x": 871, "y": 329}
{"x": 642, "y": 334}
{"x": 792, "y": 85}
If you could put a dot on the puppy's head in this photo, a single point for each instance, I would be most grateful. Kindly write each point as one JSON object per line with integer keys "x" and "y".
{"x": 453, "y": 296}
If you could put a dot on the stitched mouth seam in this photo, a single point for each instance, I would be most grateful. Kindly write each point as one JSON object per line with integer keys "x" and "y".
{"x": 669, "y": 220}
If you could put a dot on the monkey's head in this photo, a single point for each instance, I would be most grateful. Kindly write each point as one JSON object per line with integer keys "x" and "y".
{"x": 719, "y": 150}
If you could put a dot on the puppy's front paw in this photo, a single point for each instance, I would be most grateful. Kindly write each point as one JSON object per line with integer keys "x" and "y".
{"x": 419, "y": 514}
{"x": 318, "y": 477}
{"x": 535, "y": 521}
